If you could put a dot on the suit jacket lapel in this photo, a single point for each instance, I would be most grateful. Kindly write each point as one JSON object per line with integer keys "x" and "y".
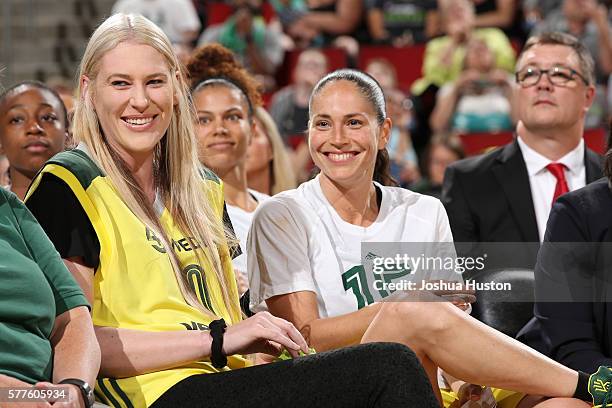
{"x": 511, "y": 173}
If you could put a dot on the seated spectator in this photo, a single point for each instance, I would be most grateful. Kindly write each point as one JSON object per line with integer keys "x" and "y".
{"x": 403, "y": 161}
{"x": 588, "y": 21}
{"x": 403, "y": 158}
{"x": 443, "y": 150}
{"x": 402, "y": 22}
{"x": 225, "y": 97}
{"x": 444, "y": 56}
{"x": 384, "y": 72}
{"x": 47, "y": 339}
{"x": 33, "y": 128}
{"x": 5, "y": 176}
{"x": 256, "y": 45}
{"x": 177, "y": 18}
{"x": 574, "y": 327}
{"x": 535, "y": 11}
{"x": 305, "y": 260}
{"x": 327, "y": 20}
{"x": 269, "y": 167}
{"x": 480, "y": 100}
{"x": 288, "y": 11}
{"x": 141, "y": 221}
{"x": 289, "y": 107}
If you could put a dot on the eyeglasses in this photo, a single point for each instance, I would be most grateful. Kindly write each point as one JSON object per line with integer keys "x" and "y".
{"x": 557, "y": 75}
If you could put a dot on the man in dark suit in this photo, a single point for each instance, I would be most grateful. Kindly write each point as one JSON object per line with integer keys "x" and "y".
{"x": 573, "y": 314}
{"x": 506, "y": 195}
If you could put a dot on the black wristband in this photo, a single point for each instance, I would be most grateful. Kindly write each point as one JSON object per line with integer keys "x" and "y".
{"x": 582, "y": 388}
{"x": 217, "y": 329}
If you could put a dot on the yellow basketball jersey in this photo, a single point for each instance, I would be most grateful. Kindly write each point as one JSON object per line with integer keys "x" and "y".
{"x": 134, "y": 284}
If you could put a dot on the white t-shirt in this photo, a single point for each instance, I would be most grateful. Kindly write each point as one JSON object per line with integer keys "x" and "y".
{"x": 174, "y": 17}
{"x": 298, "y": 242}
{"x": 241, "y": 221}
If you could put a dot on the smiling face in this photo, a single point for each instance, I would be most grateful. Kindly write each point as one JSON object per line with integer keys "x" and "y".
{"x": 545, "y": 106}
{"x": 344, "y": 135}
{"x": 133, "y": 98}
{"x": 32, "y": 128}
{"x": 224, "y": 127}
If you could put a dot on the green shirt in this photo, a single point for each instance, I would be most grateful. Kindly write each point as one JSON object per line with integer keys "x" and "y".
{"x": 436, "y": 73}
{"x": 35, "y": 287}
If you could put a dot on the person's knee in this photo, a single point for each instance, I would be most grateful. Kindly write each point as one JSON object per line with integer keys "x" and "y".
{"x": 423, "y": 322}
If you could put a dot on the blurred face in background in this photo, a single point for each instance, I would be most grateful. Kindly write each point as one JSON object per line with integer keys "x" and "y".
{"x": 440, "y": 157}
{"x": 32, "y": 128}
{"x": 311, "y": 67}
{"x": 577, "y": 9}
{"x": 224, "y": 127}
{"x": 457, "y": 16}
{"x": 383, "y": 73}
{"x": 478, "y": 56}
{"x": 259, "y": 152}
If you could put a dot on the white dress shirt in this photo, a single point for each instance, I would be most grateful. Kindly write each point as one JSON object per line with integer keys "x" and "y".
{"x": 543, "y": 183}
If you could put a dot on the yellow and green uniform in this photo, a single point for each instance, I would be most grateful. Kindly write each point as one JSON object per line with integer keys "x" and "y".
{"x": 134, "y": 283}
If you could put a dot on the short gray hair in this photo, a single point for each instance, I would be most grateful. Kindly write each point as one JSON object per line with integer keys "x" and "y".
{"x": 587, "y": 64}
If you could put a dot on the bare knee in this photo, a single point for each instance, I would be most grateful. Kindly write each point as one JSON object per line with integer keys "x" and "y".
{"x": 423, "y": 322}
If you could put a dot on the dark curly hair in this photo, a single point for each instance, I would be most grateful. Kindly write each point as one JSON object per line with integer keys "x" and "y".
{"x": 215, "y": 65}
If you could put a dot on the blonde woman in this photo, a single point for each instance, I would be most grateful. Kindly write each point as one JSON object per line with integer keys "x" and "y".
{"x": 269, "y": 169}
{"x": 140, "y": 228}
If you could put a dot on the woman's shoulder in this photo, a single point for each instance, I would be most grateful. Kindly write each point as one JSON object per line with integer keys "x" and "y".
{"x": 404, "y": 196}
{"x": 594, "y": 199}
{"x": 77, "y": 162}
{"x": 8, "y": 200}
{"x": 290, "y": 203}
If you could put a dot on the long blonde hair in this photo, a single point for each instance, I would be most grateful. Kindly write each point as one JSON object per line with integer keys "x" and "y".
{"x": 176, "y": 164}
{"x": 283, "y": 176}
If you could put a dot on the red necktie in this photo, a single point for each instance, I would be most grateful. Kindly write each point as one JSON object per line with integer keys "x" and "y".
{"x": 558, "y": 170}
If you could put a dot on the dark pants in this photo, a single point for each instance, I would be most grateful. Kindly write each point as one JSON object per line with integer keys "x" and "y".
{"x": 369, "y": 375}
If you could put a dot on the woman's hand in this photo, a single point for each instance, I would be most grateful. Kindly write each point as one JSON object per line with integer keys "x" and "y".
{"x": 263, "y": 333}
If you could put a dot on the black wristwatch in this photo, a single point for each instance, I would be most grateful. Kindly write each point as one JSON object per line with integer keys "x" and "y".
{"x": 86, "y": 390}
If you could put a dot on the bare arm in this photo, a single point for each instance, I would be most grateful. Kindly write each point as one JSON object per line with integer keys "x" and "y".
{"x": 300, "y": 308}
{"x": 444, "y": 109}
{"x": 127, "y": 352}
{"x": 376, "y": 25}
{"x": 343, "y": 21}
{"x": 6, "y": 381}
{"x": 502, "y": 17}
{"x": 76, "y": 351}
{"x": 605, "y": 42}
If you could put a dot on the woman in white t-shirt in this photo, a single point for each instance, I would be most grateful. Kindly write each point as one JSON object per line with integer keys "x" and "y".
{"x": 225, "y": 96}
{"x": 305, "y": 260}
